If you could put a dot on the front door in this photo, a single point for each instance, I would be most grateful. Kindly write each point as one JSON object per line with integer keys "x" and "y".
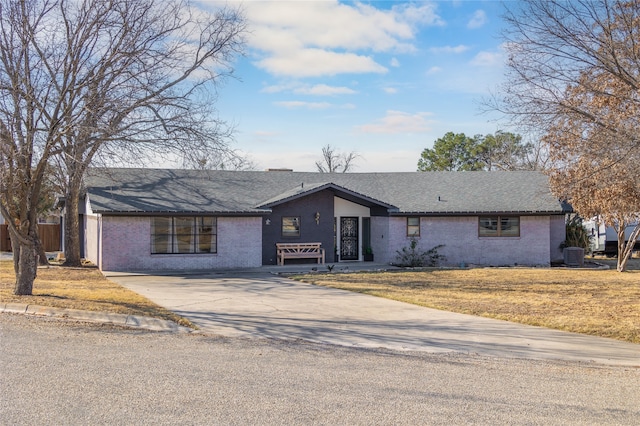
{"x": 349, "y": 238}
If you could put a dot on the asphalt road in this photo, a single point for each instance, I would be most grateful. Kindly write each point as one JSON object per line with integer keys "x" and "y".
{"x": 54, "y": 372}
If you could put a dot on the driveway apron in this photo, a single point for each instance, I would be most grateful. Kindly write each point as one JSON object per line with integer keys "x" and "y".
{"x": 270, "y": 306}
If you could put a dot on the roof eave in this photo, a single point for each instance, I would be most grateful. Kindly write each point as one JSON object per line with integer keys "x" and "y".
{"x": 475, "y": 213}
{"x": 262, "y": 212}
{"x": 330, "y": 185}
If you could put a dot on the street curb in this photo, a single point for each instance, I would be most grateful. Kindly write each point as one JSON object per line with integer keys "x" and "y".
{"x": 123, "y": 320}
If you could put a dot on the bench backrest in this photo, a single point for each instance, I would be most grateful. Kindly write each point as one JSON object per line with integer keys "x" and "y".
{"x": 296, "y": 247}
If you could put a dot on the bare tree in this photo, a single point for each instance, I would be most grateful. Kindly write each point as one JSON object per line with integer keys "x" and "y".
{"x": 85, "y": 79}
{"x": 230, "y": 160}
{"x": 334, "y": 161}
{"x": 574, "y": 75}
{"x": 505, "y": 151}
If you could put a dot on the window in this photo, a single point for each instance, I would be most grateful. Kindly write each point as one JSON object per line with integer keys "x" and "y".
{"x": 499, "y": 226}
{"x": 184, "y": 235}
{"x": 413, "y": 227}
{"x": 290, "y": 226}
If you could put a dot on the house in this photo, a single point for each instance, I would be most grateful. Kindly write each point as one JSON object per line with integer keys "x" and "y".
{"x": 155, "y": 219}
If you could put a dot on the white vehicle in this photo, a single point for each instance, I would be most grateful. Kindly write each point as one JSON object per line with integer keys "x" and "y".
{"x": 604, "y": 239}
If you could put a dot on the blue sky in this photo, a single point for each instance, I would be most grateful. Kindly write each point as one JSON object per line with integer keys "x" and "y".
{"x": 383, "y": 79}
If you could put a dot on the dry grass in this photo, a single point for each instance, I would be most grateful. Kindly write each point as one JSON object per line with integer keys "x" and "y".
{"x": 597, "y": 302}
{"x": 81, "y": 288}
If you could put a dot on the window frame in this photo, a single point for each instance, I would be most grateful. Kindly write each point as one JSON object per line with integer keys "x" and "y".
{"x": 499, "y": 224}
{"x": 294, "y": 223}
{"x": 414, "y": 226}
{"x": 184, "y": 235}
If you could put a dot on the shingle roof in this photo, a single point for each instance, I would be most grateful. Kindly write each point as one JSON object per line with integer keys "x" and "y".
{"x": 252, "y": 192}
{"x": 304, "y": 190}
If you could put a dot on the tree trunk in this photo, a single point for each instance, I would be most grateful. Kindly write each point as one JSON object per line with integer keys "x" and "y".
{"x": 72, "y": 230}
{"x": 623, "y": 253}
{"x": 15, "y": 249}
{"x": 42, "y": 255}
{"x": 27, "y": 270}
{"x": 625, "y": 248}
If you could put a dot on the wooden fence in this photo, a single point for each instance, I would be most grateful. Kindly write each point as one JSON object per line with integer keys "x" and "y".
{"x": 49, "y": 235}
{"x": 5, "y": 242}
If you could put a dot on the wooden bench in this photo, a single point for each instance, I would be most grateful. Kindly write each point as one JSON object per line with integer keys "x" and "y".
{"x": 300, "y": 251}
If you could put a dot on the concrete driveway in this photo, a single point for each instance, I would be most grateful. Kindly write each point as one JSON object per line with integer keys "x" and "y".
{"x": 260, "y": 304}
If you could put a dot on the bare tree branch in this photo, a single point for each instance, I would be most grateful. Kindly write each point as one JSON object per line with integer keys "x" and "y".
{"x": 88, "y": 79}
{"x": 574, "y": 75}
{"x": 336, "y": 162}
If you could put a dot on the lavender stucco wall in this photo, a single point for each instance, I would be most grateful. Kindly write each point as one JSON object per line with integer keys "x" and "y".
{"x": 380, "y": 238}
{"x": 92, "y": 239}
{"x": 126, "y": 246}
{"x": 462, "y": 244}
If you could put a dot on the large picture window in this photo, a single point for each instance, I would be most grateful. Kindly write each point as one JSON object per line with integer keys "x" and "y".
{"x": 176, "y": 235}
{"x": 413, "y": 227}
{"x": 291, "y": 226}
{"x": 499, "y": 226}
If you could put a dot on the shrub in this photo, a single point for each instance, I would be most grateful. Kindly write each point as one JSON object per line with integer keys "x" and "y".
{"x": 413, "y": 257}
{"x": 577, "y": 234}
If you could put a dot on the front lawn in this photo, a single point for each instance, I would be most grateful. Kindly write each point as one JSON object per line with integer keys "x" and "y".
{"x": 81, "y": 288}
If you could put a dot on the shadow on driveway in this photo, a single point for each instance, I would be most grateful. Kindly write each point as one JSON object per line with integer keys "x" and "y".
{"x": 268, "y": 306}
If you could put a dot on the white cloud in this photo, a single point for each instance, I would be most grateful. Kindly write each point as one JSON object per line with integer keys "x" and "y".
{"x": 316, "y": 38}
{"x": 306, "y": 89}
{"x": 478, "y": 19}
{"x": 303, "y": 105}
{"x": 277, "y": 88}
{"x": 488, "y": 59}
{"x": 449, "y": 49}
{"x": 390, "y": 90}
{"x": 323, "y": 90}
{"x": 394, "y": 62}
{"x": 317, "y": 63}
{"x": 434, "y": 70}
{"x": 396, "y": 122}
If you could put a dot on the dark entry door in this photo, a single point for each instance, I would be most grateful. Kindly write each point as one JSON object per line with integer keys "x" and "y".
{"x": 349, "y": 238}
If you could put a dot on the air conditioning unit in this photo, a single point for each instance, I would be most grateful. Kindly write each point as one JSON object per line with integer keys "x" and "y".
{"x": 573, "y": 256}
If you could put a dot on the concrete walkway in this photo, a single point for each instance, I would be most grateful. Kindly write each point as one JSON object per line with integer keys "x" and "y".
{"x": 261, "y": 304}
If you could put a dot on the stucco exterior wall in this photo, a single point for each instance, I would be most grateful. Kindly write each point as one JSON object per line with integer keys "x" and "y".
{"x": 92, "y": 237}
{"x": 380, "y": 238}
{"x": 462, "y": 244}
{"x": 558, "y": 235}
{"x": 126, "y": 246}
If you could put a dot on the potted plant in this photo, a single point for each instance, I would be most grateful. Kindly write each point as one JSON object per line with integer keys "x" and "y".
{"x": 368, "y": 254}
